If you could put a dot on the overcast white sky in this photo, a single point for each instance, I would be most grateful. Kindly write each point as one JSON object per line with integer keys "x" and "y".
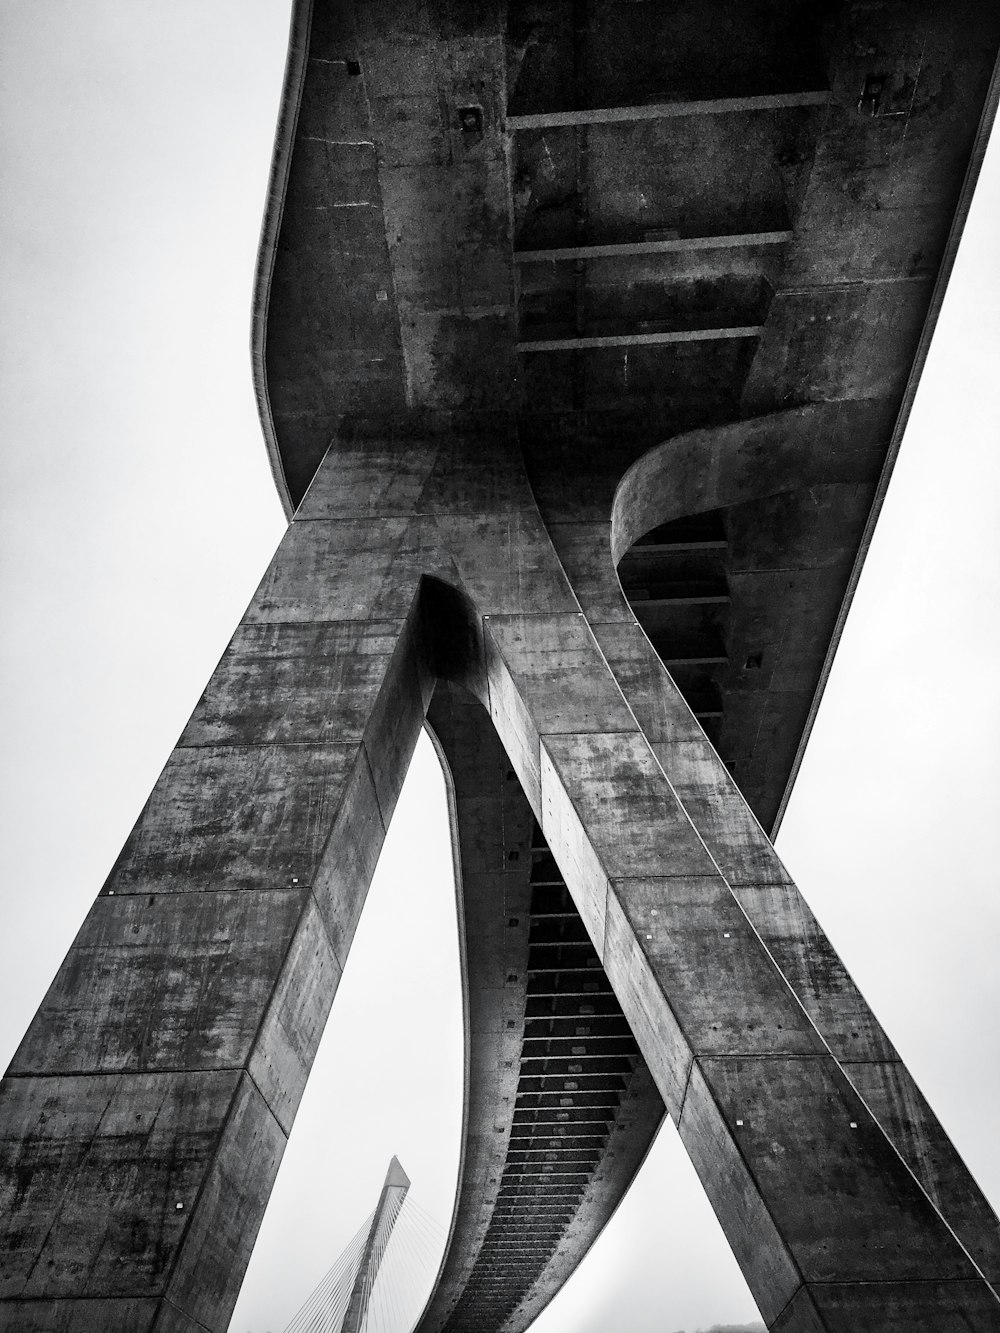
{"x": 138, "y": 513}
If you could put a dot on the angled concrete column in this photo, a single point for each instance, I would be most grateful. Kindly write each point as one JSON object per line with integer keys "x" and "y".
{"x": 772, "y": 902}
{"x": 146, "y": 1110}
{"x": 832, "y": 1228}
{"x": 144, "y": 1116}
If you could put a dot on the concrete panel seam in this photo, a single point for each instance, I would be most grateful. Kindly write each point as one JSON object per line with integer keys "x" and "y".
{"x": 69, "y": 1184}
{"x": 791, "y": 1301}
{"x": 684, "y": 1093}
{"x": 180, "y": 893}
{"x": 206, "y": 1178}
{"x": 284, "y": 1132}
{"x": 750, "y": 1174}
{"x": 190, "y": 1318}
{"x": 311, "y": 895}
{"x": 192, "y": 1212}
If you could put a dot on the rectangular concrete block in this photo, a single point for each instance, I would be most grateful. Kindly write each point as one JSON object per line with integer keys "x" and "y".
{"x": 808, "y": 960}
{"x": 409, "y": 134}
{"x": 846, "y": 1206}
{"x": 756, "y": 1241}
{"x": 93, "y": 1316}
{"x": 570, "y": 843}
{"x": 226, "y": 817}
{"x": 481, "y": 850}
{"x": 477, "y": 473}
{"x": 904, "y": 1113}
{"x": 716, "y": 806}
{"x": 722, "y": 987}
{"x": 514, "y": 723}
{"x": 296, "y": 1016}
{"x": 494, "y": 947}
{"x": 352, "y": 569}
{"x": 370, "y": 478}
{"x": 653, "y": 697}
{"x": 495, "y": 833}
{"x": 634, "y": 822}
{"x": 165, "y": 982}
{"x": 234, "y": 1191}
{"x": 349, "y": 858}
{"x": 92, "y": 1169}
{"x": 584, "y": 550}
{"x": 506, "y": 561}
{"x": 555, "y": 666}
{"x": 333, "y": 103}
{"x": 654, "y": 1024}
{"x": 310, "y": 683}
{"x": 329, "y": 173}
{"x": 487, "y": 1011}
{"x": 891, "y": 1307}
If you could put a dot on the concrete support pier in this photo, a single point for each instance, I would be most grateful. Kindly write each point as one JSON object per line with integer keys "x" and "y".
{"x": 584, "y": 340}
{"x": 145, "y": 1113}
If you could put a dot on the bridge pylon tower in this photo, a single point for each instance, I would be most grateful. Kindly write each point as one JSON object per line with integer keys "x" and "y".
{"x": 341, "y": 1301}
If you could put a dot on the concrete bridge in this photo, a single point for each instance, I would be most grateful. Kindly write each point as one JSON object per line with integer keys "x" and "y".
{"x": 585, "y": 336}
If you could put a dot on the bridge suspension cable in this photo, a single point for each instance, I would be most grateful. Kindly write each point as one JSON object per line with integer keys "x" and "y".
{"x": 381, "y": 1280}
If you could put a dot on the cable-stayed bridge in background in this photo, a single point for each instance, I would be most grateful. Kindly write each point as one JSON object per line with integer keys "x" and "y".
{"x": 379, "y": 1281}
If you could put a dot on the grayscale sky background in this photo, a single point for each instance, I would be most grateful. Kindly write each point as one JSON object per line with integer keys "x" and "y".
{"x": 138, "y": 513}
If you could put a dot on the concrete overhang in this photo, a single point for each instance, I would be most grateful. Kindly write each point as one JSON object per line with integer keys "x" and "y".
{"x": 746, "y": 237}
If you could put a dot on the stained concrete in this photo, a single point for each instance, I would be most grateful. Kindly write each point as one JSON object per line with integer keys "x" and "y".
{"x": 656, "y": 846}
{"x": 476, "y": 501}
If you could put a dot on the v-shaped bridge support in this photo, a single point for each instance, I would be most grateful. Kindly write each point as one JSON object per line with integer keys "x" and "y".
{"x": 144, "y": 1115}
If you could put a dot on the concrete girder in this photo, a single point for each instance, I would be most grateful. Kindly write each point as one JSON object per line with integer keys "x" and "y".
{"x": 665, "y": 110}
{"x": 145, "y": 1113}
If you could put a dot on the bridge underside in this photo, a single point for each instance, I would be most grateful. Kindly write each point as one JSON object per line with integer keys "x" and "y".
{"x": 585, "y": 335}
{"x": 561, "y": 1104}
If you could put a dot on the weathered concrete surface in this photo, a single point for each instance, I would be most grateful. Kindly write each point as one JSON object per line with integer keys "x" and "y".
{"x": 420, "y": 264}
{"x": 536, "y": 1187}
{"x": 715, "y": 422}
{"x": 196, "y": 1004}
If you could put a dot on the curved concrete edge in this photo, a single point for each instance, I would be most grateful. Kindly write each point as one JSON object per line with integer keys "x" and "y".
{"x": 930, "y": 323}
{"x": 463, "y": 962}
{"x": 710, "y": 468}
{"x": 631, "y": 1144}
{"x": 284, "y": 139}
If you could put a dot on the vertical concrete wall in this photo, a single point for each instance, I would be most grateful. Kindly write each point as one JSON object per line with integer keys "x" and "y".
{"x": 144, "y": 1115}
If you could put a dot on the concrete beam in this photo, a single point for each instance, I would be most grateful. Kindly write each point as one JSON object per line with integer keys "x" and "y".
{"x": 717, "y": 106}
{"x": 175, "y": 1042}
{"x": 583, "y": 344}
{"x": 627, "y": 249}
